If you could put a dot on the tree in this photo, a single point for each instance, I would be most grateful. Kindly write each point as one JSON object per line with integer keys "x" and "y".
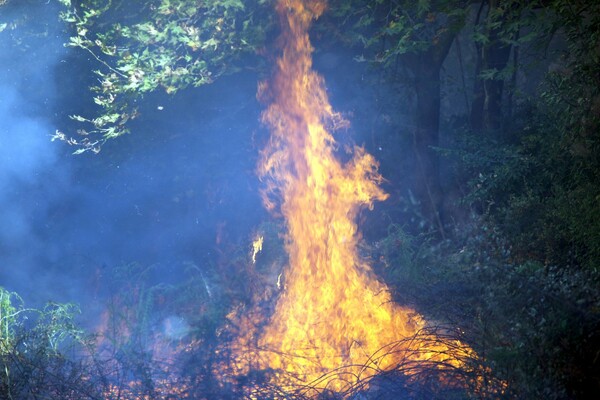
{"x": 539, "y": 185}
{"x": 501, "y": 28}
{"x": 141, "y": 47}
{"x": 419, "y": 35}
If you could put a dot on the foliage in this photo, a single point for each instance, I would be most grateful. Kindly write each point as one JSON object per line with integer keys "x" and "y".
{"x": 146, "y": 327}
{"x": 538, "y": 189}
{"x": 32, "y": 347}
{"x": 166, "y": 44}
{"x": 160, "y": 339}
{"x": 392, "y": 28}
{"x": 520, "y": 279}
{"x": 540, "y": 185}
{"x": 512, "y": 23}
{"x": 539, "y": 327}
{"x": 536, "y": 327}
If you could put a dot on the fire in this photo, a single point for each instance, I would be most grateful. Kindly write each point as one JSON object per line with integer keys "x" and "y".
{"x": 257, "y": 245}
{"x": 332, "y": 311}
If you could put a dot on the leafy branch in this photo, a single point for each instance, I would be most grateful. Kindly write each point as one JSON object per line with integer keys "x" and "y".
{"x": 166, "y": 45}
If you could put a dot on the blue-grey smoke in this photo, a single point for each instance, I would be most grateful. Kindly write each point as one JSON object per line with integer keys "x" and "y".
{"x": 179, "y": 189}
{"x": 31, "y": 174}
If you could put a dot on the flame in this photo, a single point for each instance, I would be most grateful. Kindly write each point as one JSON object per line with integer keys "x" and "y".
{"x": 257, "y": 245}
{"x": 332, "y": 312}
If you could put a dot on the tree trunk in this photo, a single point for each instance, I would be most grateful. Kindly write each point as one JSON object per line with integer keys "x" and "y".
{"x": 486, "y": 112}
{"x": 495, "y": 57}
{"x": 426, "y": 68}
{"x": 478, "y": 102}
{"x": 426, "y": 136}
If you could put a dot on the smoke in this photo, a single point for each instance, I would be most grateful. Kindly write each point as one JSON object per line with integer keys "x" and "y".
{"x": 181, "y": 188}
{"x": 31, "y": 175}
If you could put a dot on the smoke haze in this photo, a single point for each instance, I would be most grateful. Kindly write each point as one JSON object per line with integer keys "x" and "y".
{"x": 180, "y": 189}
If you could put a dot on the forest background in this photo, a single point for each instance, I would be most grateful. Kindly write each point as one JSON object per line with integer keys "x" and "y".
{"x": 484, "y": 116}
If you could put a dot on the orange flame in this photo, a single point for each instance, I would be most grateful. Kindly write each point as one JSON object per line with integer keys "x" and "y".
{"x": 333, "y": 312}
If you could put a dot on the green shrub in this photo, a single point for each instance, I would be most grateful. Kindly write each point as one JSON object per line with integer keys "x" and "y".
{"x": 33, "y": 344}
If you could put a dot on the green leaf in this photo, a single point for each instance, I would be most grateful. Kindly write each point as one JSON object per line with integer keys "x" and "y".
{"x": 78, "y": 118}
{"x": 212, "y": 42}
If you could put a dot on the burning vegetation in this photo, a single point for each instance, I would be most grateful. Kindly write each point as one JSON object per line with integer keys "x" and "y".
{"x": 500, "y": 304}
{"x": 334, "y": 323}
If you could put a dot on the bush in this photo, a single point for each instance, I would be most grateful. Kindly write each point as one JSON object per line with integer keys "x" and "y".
{"x": 536, "y": 327}
{"x": 32, "y": 347}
